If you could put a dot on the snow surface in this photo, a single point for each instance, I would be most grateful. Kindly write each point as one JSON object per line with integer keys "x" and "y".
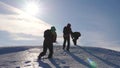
{"x": 78, "y": 57}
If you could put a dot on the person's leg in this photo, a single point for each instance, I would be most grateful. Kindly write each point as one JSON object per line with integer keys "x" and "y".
{"x": 50, "y": 51}
{"x": 74, "y": 41}
{"x": 68, "y": 43}
{"x": 64, "y": 43}
{"x": 44, "y": 51}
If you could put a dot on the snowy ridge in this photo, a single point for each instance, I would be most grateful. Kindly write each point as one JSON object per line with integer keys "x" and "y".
{"x": 78, "y": 57}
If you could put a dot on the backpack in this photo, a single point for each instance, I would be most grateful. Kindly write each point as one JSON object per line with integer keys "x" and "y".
{"x": 48, "y": 34}
{"x": 76, "y": 34}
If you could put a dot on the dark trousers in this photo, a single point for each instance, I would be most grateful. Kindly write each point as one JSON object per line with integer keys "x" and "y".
{"x": 47, "y": 45}
{"x": 75, "y": 41}
{"x": 66, "y": 39}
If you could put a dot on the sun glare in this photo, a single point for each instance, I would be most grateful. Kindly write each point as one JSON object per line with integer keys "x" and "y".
{"x": 32, "y": 8}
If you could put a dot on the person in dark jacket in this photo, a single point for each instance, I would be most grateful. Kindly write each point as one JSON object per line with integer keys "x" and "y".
{"x": 66, "y": 35}
{"x": 49, "y": 38}
{"x": 75, "y": 36}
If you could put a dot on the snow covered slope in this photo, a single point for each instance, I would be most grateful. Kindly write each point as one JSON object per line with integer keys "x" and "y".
{"x": 78, "y": 57}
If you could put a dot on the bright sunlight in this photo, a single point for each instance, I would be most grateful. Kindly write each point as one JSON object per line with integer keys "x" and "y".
{"x": 32, "y": 8}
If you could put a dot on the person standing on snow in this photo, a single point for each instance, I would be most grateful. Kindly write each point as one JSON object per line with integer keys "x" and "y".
{"x": 49, "y": 38}
{"x": 66, "y": 35}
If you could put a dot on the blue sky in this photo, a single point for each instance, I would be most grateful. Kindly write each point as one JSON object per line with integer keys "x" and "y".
{"x": 97, "y": 20}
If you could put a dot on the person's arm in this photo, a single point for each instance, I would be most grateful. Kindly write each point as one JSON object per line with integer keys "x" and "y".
{"x": 71, "y": 33}
{"x": 55, "y": 36}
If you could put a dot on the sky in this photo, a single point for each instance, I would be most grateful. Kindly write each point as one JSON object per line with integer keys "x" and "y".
{"x": 96, "y": 20}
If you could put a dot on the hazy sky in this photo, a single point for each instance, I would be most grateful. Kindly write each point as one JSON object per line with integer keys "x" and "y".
{"x": 97, "y": 20}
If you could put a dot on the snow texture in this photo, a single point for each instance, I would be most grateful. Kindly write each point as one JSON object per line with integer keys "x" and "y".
{"x": 78, "y": 57}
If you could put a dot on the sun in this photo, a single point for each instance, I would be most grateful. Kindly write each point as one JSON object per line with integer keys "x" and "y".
{"x": 32, "y": 8}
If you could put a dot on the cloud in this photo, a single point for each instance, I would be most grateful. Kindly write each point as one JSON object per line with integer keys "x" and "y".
{"x": 21, "y": 23}
{"x": 14, "y": 24}
{"x": 7, "y": 39}
{"x": 18, "y": 28}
